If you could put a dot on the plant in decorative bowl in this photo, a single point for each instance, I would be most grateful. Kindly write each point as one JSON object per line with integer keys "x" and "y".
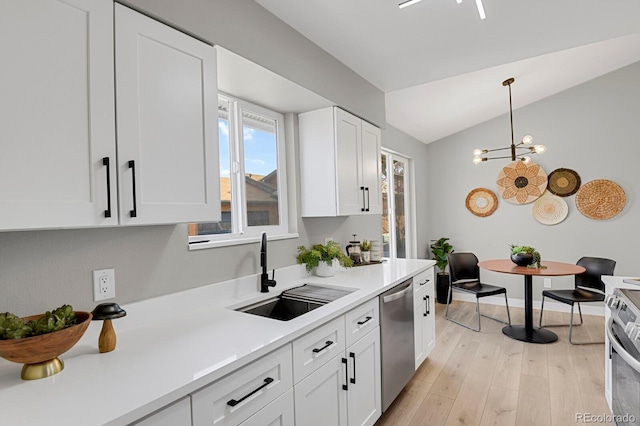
{"x": 526, "y": 256}
{"x": 321, "y": 257}
{"x": 37, "y": 341}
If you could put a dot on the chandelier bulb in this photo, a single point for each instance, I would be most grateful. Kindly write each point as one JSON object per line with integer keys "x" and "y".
{"x": 477, "y": 152}
{"x": 527, "y": 139}
{"x": 526, "y": 159}
{"x": 540, "y": 149}
{"x": 478, "y": 160}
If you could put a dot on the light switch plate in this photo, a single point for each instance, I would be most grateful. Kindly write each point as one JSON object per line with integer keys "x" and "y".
{"x": 547, "y": 283}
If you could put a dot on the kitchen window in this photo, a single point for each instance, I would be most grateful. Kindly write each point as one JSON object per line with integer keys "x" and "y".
{"x": 397, "y": 232}
{"x": 252, "y": 176}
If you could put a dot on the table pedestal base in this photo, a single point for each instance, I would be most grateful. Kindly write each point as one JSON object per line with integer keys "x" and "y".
{"x": 536, "y": 335}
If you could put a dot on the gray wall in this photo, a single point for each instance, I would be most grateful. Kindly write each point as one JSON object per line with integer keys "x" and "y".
{"x": 592, "y": 129}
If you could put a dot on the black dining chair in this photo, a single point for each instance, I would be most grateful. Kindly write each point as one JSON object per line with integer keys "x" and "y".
{"x": 588, "y": 288}
{"x": 465, "y": 277}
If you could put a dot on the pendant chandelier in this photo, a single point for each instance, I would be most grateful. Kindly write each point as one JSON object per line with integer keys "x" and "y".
{"x": 524, "y": 144}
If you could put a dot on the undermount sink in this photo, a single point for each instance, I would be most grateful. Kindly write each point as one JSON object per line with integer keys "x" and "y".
{"x": 295, "y": 302}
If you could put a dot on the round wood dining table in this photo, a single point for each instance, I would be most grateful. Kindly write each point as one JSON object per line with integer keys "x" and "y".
{"x": 527, "y": 332}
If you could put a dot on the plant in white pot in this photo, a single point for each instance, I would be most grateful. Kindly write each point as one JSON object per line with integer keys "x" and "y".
{"x": 365, "y": 251}
{"x": 322, "y": 257}
{"x": 440, "y": 249}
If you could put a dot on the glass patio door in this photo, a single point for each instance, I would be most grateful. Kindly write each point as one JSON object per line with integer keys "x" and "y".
{"x": 396, "y": 235}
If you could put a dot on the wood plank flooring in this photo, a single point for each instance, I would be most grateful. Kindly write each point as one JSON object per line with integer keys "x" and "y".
{"x": 486, "y": 378}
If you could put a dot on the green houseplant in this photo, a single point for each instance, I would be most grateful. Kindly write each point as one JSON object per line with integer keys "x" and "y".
{"x": 440, "y": 249}
{"x": 365, "y": 251}
{"x": 526, "y": 256}
{"x": 326, "y": 253}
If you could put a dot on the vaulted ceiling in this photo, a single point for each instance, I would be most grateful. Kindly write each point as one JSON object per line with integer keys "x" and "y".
{"x": 441, "y": 67}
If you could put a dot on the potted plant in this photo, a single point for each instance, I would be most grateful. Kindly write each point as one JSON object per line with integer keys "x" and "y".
{"x": 321, "y": 257}
{"x": 440, "y": 249}
{"x": 526, "y": 256}
{"x": 365, "y": 251}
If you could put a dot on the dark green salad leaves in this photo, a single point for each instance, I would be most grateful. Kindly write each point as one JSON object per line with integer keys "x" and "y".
{"x": 13, "y": 327}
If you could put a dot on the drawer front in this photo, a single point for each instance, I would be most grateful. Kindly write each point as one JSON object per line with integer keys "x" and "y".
{"x": 235, "y": 398}
{"x": 315, "y": 348}
{"x": 422, "y": 281}
{"x": 278, "y": 413}
{"x": 361, "y": 320}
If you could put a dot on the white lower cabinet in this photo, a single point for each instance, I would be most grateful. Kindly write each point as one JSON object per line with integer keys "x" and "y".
{"x": 424, "y": 315}
{"x": 240, "y": 395}
{"x": 278, "y": 413}
{"x": 176, "y": 414}
{"x": 344, "y": 388}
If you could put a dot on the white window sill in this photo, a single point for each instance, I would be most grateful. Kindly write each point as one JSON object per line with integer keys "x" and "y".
{"x": 238, "y": 241}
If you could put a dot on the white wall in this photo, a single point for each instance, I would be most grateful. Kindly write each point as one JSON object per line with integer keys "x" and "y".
{"x": 592, "y": 129}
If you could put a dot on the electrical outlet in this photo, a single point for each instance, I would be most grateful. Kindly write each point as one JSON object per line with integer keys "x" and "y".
{"x": 547, "y": 283}
{"x": 104, "y": 284}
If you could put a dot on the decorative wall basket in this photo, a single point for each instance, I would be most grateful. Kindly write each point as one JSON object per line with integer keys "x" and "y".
{"x": 521, "y": 183}
{"x": 563, "y": 182}
{"x": 482, "y": 202}
{"x": 600, "y": 199}
{"x": 550, "y": 209}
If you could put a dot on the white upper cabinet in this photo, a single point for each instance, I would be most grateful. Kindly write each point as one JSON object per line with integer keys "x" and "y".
{"x": 339, "y": 164}
{"x": 60, "y": 164}
{"x": 167, "y": 115}
{"x": 57, "y": 109}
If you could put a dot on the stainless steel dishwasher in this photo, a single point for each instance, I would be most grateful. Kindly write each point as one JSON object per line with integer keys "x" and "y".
{"x": 396, "y": 331}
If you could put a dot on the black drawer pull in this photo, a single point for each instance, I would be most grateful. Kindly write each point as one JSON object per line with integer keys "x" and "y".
{"x": 327, "y": 344}
{"x": 234, "y": 402}
{"x": 365, "y": 321}
{"x": 424, "y": 282}
{"x": 346, "y": 375}
{"x": 105, "y": 162}
{"x": 352, "y": 355}
{"x": 132, "y": 166}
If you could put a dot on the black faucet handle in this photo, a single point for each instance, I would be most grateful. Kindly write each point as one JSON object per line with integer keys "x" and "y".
{"x": 273, "y": 275}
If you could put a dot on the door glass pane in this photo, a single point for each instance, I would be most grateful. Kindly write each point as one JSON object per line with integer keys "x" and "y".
{"x": 399, "y": 168}
{"x": 260, "y": 169}
{"x": 385, "y": 206}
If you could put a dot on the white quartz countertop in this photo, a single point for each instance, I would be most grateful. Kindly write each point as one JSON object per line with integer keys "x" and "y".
{"x": 170, "y": 346}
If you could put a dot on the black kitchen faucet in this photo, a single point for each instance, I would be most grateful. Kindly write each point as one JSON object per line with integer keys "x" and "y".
{"x": 265, "y": 282}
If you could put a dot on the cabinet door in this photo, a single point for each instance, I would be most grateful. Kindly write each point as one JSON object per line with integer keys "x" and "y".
{"x": 57, "y": 109}
{"x": 177, "y": 414}
{"x": 278, "y": 413}
{"x": 364, "y": 398}
{"x": 351, "y": 194}
{"x": 424, "y": 323}
{"x": 371, "y": 167}
{"x": 320, "y": 398}
{"x": 166, "y": 99}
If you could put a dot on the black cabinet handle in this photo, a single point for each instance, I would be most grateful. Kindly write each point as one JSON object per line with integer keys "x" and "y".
{"x": 424, "y": 282}
{"x": 234, "y": 402}
{"x": 327, "y": 344}
{"x": 105, "y": 162}
{"x": 132, "y": 166}
{"x": 427, "y": 307}
{"x": 346, "y": 375}
{"x": 368, "y": 200}
{"x": 365, "y": 321}
{"x": 363, "y": 202}
{"x": 353, "y": 356}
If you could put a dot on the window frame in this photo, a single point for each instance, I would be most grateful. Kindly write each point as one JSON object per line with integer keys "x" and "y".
{"x": 409, "y": 209}
{"x": 242, "y": 233}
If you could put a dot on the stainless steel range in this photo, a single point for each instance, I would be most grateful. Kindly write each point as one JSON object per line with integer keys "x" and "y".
{"x": 623, "y": 331}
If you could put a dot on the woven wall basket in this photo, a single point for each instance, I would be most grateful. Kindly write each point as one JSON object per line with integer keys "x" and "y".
{"x": 550, "y": 209}
{"x": 482, "y": 202}
{"x": 563, "y": 182}
{"x": 521, "y": 183}
{"x": 600, "y": 199}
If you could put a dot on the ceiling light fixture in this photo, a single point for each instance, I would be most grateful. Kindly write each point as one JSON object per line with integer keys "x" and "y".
{"x": 408, "y": 3}
{"x": 526, "y": 140}
{"x": 480, "y": 7}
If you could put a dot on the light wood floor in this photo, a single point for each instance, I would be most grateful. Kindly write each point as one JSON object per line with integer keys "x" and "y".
{"x": 487, "y": 378}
